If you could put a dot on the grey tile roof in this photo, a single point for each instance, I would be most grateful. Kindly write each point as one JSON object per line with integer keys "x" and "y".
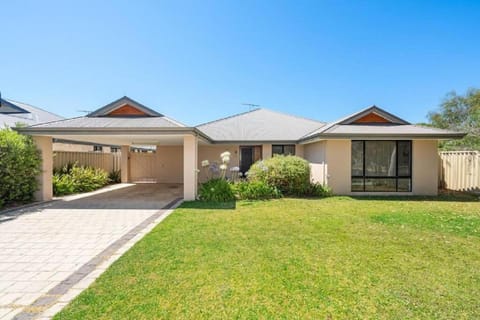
{"x": 385, "y": 130}
{"x": 398, "y": 128}
{"x": 259, "y": 125}
{"x": 112, "y": 122}
{"x": 32, "y": 116}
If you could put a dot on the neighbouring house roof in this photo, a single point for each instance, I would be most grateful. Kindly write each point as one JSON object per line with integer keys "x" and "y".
{"x": 14, "y": 112}
{"x": 259, "y": 125}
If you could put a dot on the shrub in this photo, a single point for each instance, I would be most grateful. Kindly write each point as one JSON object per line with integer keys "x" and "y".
{"x": 73, "y": 179}
{"x": 115, "y": 176}
{"x": 216, "y": 190}
{"x": 317, "y": 190}
{"x": 289, "y": 174}
{"x": 255, "y": 190}
{"x": 62, "y": 184}
{"x": 19, "y": 166}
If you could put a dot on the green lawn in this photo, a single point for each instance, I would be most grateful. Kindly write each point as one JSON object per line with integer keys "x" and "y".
{"x": 333, "y": 258}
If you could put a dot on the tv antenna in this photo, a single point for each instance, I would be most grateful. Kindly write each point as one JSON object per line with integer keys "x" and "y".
{"x": 251, "y": 106}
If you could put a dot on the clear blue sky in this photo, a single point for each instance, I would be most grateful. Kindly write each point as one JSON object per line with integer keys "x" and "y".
{"x": 200, "y": 60}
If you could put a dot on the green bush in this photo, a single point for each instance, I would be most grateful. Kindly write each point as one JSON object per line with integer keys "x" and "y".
{"x": 289, "y": 174}
{"x": 74, "y": 179}
{"x": 317, "y": 190}
{"x": 255, "y": 190}
{"x": 216, "y": 190}
{"x": 19, "y": 166}
{"x": 62, "y": 184}
{"x": 115, "y": 176}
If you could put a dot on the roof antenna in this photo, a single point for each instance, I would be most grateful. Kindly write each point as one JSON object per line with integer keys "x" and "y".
{"x": 251, "y": 106}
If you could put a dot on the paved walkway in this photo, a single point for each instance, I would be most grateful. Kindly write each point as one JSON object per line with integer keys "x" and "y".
{"x": 50, "y": 254}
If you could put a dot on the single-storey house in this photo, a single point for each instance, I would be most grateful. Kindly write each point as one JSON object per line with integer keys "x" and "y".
{"x": 369, "y": 152}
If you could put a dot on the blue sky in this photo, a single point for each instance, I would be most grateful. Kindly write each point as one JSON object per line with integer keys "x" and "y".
{"x": 200, "y": 60}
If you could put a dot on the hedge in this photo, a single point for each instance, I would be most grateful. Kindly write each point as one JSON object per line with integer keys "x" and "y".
{"x": 19, "y": 166}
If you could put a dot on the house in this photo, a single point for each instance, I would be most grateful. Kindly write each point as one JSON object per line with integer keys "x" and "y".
{"x": 369, "y": 152}
{"x": 14, "y": 113}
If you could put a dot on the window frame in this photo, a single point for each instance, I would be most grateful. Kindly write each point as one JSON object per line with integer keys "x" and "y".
{"x": 397, "y": 177}
{"x": 283, "y": 149}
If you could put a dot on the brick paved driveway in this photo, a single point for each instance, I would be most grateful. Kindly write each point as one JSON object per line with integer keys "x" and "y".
{"x": 42, "y": 247}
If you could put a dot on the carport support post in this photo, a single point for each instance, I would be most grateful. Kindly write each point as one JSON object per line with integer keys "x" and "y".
{"x": 124, "y": 163}
{"x": 45, "y": 188}
{"x": 190, "y": 145}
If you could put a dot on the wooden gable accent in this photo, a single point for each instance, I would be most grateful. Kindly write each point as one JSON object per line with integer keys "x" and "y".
{"x": 371, "y": 118}
{"x": 127, "y": 110}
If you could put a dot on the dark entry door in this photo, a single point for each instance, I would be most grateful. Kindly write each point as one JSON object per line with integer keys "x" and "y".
{"x": 246, "y": 158}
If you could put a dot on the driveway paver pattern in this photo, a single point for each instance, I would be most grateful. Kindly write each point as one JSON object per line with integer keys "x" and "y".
{"x": 54, "y": 244}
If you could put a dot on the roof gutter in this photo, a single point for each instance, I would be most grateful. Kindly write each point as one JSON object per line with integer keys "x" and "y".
{"x": 372, "y": 136}
{"x": 112, "y": 131}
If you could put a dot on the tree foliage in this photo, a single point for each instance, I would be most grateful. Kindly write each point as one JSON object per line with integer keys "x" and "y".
{"x": 460, "y": 113}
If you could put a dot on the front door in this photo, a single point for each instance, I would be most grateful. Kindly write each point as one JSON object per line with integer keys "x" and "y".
{"x": 246, "y": 158}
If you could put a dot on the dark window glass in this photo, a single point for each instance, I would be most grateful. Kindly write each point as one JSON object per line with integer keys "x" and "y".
{"x": 277, "y": 149}
{"x": 404, "y": 156}
{"x": 357, "y": 159}
{"x": 380, "y": 158}
{"x": 381, "y": 166}
{"x": 404, "y": 184}
{"x": 357, "y": 184}
{"x": 288, "y": 149}
{"x": 380, "y": 184}
{"x": 98, "y": 148}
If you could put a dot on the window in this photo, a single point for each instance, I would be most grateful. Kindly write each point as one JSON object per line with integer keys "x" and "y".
{"x": 97, "y": 148}
{"x": 381, "y": 166}
{"x": 114, "y": 149}
{"x": 285, "y": 149}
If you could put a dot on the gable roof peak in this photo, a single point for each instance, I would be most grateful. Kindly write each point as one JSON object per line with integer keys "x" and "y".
{"x": 393, "y": 119}
{"x": 122, "y": 102}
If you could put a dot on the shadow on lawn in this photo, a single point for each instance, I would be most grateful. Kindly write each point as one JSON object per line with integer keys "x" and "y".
{"x": 443, "y": 196}
{"x": 209, "y": 205}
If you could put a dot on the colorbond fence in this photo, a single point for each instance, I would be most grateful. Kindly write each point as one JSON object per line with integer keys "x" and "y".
{"x": 106, "y": 161}
{"x": 460, "y": 170}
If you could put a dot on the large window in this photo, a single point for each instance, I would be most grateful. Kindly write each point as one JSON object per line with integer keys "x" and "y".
{"x": 383, "y": 166}
{"x": 285, "y": 149}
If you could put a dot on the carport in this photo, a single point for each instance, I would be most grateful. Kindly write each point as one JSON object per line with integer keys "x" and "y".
{"x": 125, "y": 122}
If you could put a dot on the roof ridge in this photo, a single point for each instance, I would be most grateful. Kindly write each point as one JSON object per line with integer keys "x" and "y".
{"x": 259, "y": 109}
{"x": 295, "y": 116}
{"x": 228, "y": 117}
{"x": 30, "y": 105}
{"x": 178, "y": 123}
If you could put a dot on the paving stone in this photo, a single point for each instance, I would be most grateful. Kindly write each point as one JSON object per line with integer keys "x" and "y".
{"x": 60, "y": 248}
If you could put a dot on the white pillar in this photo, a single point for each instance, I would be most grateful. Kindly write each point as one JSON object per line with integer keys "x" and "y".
{"x": 124, "y": 163}
{"x": 190, "y": 154}
{"x": 45, "y": 188}
{"x": 266, "y": 151}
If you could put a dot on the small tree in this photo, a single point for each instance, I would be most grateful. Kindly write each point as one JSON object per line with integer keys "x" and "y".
{"x": 460, "y": 113}
{"x": 19, "y": 167}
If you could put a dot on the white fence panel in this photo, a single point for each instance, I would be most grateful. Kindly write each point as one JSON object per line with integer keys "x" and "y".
{"x": 106, "y": 161}
{"x": 460, "y": 170}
